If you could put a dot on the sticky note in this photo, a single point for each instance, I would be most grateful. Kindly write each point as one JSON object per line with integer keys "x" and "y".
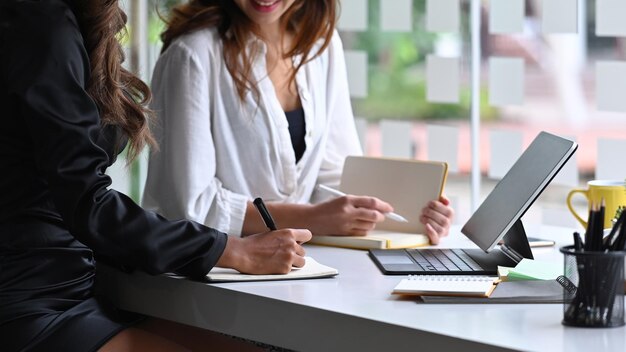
{"x": 506, "y": 16}
{"x": 443, "y": 145}
{"x": 442, "y": 15}
{"x": 529, "y": 269}
{"x": 506, "y": 81}
{"x": 353, "y": 16}
{"x": 442, "y": 79}
{"x": 356, "y": 65}
{"x": 610, "y": 160}
{"x": 610, "y": 18}
{"x": 505, "y": 149}
{"x": 559, "y": 16}
{"x": 396, "y": 15}
{"x": 396, "y": 138}
{"x": 611, "y": 85}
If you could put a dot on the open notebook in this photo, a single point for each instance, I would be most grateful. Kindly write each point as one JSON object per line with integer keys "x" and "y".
{"x": 408, "y": 185}
{"x": 311, "y": 269}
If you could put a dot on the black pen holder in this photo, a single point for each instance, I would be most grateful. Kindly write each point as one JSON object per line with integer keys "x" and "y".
{"x": 593, "y": 288}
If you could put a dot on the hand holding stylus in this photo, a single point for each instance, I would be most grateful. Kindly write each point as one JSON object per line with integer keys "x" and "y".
{"x": 389, "y": 215}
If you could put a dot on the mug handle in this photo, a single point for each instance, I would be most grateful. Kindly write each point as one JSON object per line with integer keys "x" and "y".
{"x": 571, "y": 209}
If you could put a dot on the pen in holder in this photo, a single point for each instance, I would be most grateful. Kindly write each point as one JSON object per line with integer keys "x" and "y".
{"x": 594, "y": 295}
{"x": 593, "y": 281}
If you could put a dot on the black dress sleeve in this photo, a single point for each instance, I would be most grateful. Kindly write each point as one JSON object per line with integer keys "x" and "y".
{"x": 46, "y": 69}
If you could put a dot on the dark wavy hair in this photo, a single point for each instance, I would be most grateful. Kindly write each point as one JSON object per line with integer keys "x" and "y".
{"x": 120, "y": 95}
{"x": 308, "y": 20}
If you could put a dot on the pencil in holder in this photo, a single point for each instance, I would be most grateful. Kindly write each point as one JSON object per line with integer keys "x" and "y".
{"x": 593, "y": 288}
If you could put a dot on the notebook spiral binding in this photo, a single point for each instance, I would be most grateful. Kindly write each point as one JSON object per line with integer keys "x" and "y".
{"x": 451, "y": 278}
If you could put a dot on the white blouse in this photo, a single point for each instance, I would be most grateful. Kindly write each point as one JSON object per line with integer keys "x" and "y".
{"x": 217, "y": 153}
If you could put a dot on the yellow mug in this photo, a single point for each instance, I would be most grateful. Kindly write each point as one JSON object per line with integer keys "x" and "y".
{"x": 612, "y": 191}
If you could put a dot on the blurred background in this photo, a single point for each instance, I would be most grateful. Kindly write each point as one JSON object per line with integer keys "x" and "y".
{"x": 551, "y": 65}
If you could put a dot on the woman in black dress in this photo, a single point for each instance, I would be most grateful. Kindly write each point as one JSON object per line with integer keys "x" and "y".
{"x": 67, "y": 109}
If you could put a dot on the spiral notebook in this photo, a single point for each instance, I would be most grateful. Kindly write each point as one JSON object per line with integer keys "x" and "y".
{"x": 447, "y": 285}
{"x": 512, "y": 292}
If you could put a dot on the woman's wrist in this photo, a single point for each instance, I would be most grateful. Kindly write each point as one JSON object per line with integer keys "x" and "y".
{"x": 232, "y": 255}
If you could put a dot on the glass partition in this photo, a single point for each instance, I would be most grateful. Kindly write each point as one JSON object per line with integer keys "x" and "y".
{"x": 553, "y": 65}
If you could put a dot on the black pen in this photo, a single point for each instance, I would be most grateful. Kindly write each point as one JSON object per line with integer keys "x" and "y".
{"x": 600, "y": 226}
{"x": 608, "y": 241}
{"x": 590, "y": 227}
{"x": 578, "y": 243}
{"x": 620, "y": 241}
{"x": 265, "y": 214}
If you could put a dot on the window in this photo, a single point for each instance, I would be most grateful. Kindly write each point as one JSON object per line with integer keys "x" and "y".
{"x": 554, "y": 65}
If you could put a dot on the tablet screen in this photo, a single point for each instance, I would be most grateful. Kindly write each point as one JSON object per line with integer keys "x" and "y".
{"x": 518, "y": 189}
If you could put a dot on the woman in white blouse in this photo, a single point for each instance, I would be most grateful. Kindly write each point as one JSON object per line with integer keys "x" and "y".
{"x": 252, "y": 101}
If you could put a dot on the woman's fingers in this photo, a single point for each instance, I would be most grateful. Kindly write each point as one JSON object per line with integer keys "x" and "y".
{"x": 300, "y": 251}
{"x": 437, "y": 217}
{"x": 372, "y": 203}
{"x": 298, "y": 261}
{"x": 301, "y": 236}
{"x": 438, "y": 213}
{"x": 432, "y": 234}
{"x": 367, "y": 215}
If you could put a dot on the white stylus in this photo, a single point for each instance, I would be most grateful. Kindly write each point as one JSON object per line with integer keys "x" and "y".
{"x": 390, "y": 215}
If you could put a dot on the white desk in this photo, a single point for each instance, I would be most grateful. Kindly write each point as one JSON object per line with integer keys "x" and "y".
{"x": 355, "y": 311}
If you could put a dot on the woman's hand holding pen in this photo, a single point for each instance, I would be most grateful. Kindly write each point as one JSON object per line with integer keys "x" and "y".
{"x": 437, "y": 218}
{"x": 273, "y": 252}
{"x": 347, "y": 215}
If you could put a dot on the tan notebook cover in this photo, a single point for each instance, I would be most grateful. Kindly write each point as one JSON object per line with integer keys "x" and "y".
{"x": 408, "y": 185}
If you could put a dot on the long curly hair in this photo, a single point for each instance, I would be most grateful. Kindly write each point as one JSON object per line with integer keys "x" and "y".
{"x": 120, "y": 96}
{"x": 308, "y": 20}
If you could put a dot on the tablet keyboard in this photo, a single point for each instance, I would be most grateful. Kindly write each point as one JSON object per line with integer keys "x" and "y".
{"x": 444, "y": 260}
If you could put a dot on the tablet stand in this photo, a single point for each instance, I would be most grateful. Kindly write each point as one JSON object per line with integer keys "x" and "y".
{"x": 515, "y": 243}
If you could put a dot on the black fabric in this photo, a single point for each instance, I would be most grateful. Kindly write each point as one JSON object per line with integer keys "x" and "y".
{"x": 56, "y": 213}
{"x": 297, "y": 130}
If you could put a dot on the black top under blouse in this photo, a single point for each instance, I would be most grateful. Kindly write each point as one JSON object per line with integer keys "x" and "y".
{"x": 297, "y": 130}
{"x": 56, "y": 208}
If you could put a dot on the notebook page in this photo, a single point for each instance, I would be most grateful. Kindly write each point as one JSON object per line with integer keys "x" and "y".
{"x": 311, "y": 269}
